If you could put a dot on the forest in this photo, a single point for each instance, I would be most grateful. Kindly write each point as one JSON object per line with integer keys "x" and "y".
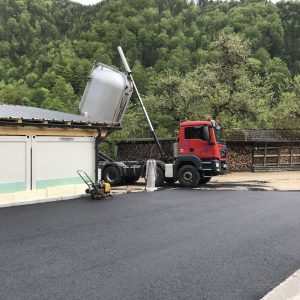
{"x": 236, "y": 60}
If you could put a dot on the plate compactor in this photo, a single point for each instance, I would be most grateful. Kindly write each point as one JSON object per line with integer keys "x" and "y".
{"x": 97, "y": 190}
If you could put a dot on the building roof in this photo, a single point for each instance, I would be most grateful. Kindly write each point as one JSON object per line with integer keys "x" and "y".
{"x": 34, "y": 114}
{"x": 263, "y": 135}
{"x": 143, "y": 140}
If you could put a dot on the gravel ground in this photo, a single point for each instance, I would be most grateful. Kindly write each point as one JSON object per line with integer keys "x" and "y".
{"x": 282, "y": 181}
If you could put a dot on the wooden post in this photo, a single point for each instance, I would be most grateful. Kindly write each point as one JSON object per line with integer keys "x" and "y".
{"x": 265, "y": 156}
{"x": 253, "y": 149}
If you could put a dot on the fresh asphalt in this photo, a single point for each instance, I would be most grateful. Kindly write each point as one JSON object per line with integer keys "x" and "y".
{"x": 171, "y": 244}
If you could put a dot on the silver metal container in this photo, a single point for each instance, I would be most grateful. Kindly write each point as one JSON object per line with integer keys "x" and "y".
{"x": 106, "y": 95}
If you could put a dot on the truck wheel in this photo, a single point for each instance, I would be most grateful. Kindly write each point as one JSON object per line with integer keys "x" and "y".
{"x": 112, "y": 175}
{"x": 204, "y": 180}
{"x": 188, "y": 176}
{"x": 160, "y": 177}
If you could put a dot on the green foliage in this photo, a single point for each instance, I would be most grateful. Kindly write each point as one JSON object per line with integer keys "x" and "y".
{"x": 239, "y": 60}
{"x": 223, "y": 88}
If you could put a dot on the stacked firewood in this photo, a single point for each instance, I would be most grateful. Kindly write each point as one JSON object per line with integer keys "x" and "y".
{"x": 285, "y": 156}
{"x": 239, "y": 155}
{"x": 141, "y": 151}
{"x": 239, "y": 158}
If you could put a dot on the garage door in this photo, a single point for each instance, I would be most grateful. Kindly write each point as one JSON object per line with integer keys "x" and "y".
{"x": 55, "y": 160}
{"x": 15, "y": 157}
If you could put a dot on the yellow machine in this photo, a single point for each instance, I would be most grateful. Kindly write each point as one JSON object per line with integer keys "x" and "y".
{"x": 106, "y": 187}
{"x": 97, "y": 190}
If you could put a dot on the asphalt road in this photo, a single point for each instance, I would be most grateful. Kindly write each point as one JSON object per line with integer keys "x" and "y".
{"x": 171, "y": 244}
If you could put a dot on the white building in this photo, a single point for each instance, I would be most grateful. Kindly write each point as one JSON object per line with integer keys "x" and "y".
{"x": 41, "y": 151}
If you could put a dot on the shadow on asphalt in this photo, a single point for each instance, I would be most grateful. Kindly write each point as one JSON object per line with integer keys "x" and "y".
{"x": 251, "y": 185}
{"x": 257, "y": 185}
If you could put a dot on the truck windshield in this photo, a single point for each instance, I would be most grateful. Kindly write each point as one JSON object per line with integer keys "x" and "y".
{"x": 219, "y": 134}
{"x": 197, "y": 132}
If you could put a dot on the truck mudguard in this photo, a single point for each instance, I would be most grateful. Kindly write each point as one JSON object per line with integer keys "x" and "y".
{"x": 161, "y": 164}
{"x": 187, "y": 160}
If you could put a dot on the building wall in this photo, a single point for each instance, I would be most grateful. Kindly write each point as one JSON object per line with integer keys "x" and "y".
{"x": 14, "y": 163}
{"x": 36, "y": 162}
{"x": 276, "y": 156}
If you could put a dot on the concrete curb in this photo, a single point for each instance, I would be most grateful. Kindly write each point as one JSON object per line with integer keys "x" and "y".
{"x": 115, "y": 191}
{"x": 287, "y": 290}
{"x": 38, "y": 201}
{"x": 126, "y": 190}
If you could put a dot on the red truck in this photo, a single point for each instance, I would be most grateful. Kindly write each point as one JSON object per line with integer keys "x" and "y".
{"x": 198, "y": 154}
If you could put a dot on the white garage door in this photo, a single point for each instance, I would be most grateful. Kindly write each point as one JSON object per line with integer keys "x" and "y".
{"x": 55, "y": 160}
{"x": 15, "y": 167}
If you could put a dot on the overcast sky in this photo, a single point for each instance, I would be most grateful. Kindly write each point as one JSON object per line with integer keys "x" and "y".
{"x": 87, "y": 2}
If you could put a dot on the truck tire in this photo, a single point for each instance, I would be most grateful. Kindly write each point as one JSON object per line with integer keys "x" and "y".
{"x": 160, "y": 177}
{"x": 112, "y": 175}
{"x": 204, "y": 180}
{"x": 188, "y": 176}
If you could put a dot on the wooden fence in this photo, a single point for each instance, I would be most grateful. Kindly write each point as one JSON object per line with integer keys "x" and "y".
{"x": 276, "y": 156}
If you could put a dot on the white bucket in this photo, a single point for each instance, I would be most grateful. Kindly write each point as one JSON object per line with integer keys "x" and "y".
{"x": 150, "y": 175}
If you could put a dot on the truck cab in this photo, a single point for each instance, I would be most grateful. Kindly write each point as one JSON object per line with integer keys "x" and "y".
{"x": 199, "y": 147}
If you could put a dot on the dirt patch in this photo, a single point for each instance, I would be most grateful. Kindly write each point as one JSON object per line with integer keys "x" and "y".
{"x": 240, "y": 181}
{"x": 282, "y": 181}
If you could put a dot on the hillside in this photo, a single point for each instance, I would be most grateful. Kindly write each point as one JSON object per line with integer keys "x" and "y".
{"x": 236, "y": 60}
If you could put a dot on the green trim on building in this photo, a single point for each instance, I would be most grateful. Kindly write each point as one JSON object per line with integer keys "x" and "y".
{"x": 42, "y": 184}
{"x": 12, "y": 187}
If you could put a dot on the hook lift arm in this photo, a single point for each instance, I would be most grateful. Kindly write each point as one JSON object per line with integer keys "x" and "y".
{"x": 129, "y": 72}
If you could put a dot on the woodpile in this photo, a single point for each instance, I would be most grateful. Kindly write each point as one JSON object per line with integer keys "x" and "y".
{"x": 141, "y": 151}
{"x": 285, "y": 156}
{"x": 276, "y": 155}
{"x": 239, "y": 158}
{"x": 296, "y": 154}
{"x": 239, "y": 154}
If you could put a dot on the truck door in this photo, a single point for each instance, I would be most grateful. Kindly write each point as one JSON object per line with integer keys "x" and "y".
{"x": 197, "y": 145}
